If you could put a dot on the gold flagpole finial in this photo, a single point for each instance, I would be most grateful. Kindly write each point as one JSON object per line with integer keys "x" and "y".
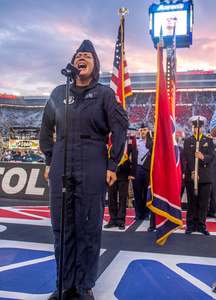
{"x": 123, "y": 10}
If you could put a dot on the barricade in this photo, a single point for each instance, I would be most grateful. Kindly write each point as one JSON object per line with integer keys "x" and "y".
{"x": 23, "y": 181}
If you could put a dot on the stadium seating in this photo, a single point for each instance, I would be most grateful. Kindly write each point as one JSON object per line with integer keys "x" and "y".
{"x": 13, "y": 116}
{"x": 140, "y": 106}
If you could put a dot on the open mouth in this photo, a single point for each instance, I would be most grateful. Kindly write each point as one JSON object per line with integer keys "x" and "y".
{"x": 82, "y": 66}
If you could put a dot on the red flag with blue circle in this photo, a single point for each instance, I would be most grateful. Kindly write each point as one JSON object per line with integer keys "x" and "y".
{"x": 165, "y": 177}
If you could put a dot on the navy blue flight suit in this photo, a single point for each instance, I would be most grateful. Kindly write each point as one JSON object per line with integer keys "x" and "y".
{"x": 92, "y": 115}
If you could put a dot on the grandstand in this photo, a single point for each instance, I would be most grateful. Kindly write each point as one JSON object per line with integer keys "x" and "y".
{"x": 141, "y": 107}
{"x": 20, "y": 111}
{"x": 196, "y": 94}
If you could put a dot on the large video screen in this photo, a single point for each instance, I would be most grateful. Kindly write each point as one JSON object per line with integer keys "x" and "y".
{"x": 167, "y": 20}
{"x": 165, "y": 15}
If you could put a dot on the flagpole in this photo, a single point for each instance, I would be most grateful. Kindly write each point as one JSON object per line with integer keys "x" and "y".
{"x": 160, "y": 46}
{"x": 122, "y": 11}
{"x": 122, "y": 62}
{"x": 174, "y": 77}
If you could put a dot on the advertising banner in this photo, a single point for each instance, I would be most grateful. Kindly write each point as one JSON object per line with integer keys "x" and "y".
{"x": 23, "y": 181}
{"x": 24, "y": 144}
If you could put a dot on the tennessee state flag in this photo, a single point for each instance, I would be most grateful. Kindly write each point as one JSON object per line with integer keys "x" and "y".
{"x": 163, "y": 196}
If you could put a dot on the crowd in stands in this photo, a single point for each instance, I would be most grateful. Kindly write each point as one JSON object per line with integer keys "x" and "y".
{"x": 140, "y": 106}
{"x": 9, "y": 155}
{"x": 13, "y": 116}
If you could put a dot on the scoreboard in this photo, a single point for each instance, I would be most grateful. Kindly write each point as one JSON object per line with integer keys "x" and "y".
{"x": 164, "y": 16}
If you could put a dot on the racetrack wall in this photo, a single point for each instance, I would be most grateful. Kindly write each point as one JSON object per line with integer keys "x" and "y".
{"x": 23, "y": 181}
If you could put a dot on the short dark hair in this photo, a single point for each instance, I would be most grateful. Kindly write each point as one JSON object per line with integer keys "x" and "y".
{"x": 96, "y": 70}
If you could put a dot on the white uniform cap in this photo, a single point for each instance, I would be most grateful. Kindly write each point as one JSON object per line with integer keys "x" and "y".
{"x": 193, "y": 120}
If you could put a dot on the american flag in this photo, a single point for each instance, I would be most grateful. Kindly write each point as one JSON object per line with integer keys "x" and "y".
{"x": 120, "y": 80}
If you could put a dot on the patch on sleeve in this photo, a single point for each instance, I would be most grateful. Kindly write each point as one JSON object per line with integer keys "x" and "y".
{"x": 117, "y": 99}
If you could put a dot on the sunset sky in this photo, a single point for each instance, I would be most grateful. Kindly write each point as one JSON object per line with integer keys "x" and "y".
{"x": 38, "y": 39}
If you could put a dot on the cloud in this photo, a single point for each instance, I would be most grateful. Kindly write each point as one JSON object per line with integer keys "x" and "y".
{"x": 38, "y": 39}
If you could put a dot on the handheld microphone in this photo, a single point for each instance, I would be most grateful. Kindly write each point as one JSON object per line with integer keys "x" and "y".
{"x": 70, "y": 71}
